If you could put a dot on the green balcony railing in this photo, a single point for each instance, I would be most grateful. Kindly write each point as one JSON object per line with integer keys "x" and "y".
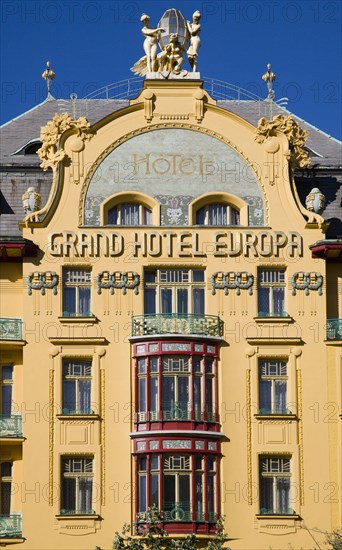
{"x": 175, "y": 323}
{"x": 10, "y": 526}
{"x": 11, "y": 425}
{"x": 334, "y": 329}
{"x": 10, "y": 329}
{"x": 177, "y": 511}
{"x": 176, "y": 410}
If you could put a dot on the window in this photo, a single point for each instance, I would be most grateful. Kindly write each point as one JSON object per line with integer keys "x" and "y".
{"x": 272, "y": 387}
{"x": 6, "y": 390}
{"x": 186, "y": 486}
{"x": 271, "y": 293}
{"x": 217, "y": 214}
{"x": 77, "y": 486}
{"x": 176, "y": 387}
{"x": 179, "y": 291}
{"x": 130, "y": 213}
{"x": 5, "y": 488}
{"x": 76, "y": 387}
{"x": 76, "y": 292}
{"x": 275, "y": 476}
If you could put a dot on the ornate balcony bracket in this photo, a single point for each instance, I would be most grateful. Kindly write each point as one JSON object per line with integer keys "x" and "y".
{"x": 307, "y": 281}
{"x": 232, "y": 280}
{"x": 118, "y": 279}
{"x": 40, "y": 280}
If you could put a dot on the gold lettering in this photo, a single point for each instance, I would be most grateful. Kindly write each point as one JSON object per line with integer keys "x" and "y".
{"x": 55, "y": 249}
{"x": 183, "y": 246}
{"x": 218, "y": 246}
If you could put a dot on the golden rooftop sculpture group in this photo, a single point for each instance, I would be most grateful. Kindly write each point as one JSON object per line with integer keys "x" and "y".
{"x": 175, "y": 37}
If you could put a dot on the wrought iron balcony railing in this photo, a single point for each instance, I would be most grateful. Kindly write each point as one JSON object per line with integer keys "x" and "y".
{"x": 10, "y": 526}
{"x": 10, "y": 329}
{"x": 11, "y": 425}
{"x": 177, "y": 511}
{"x": 334, "y": 329}
{"x": 176, "y": 323}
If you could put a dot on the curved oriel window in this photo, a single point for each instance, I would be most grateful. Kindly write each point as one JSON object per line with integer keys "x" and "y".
{"x": 176, "y": 387}
{"x": 184, "y": 486}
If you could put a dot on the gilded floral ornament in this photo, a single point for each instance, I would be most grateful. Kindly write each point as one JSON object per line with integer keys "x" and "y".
{"x": 50, "y": 135}
{"x": 296, "y": 136}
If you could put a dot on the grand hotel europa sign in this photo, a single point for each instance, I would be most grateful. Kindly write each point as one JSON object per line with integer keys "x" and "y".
{"x": 176, "y": 244}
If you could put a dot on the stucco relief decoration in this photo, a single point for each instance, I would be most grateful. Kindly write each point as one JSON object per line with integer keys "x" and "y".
{"x": 50, "y": 135}
{"x": 119, "y": 280}
{"x": 307, "y": 282}
{"x": 296, "y": 136}
{"x": 40, "y": 280}
{"x": 232, "y": 280}
{"x": 176, "y": 39}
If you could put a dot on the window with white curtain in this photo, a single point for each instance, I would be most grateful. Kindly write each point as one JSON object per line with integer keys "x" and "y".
{"x": 217, "y": 214}
{"x": 130, "y": 213}
{"x": 273, "y": 381}
{"x": 77, "y": 379}
{"x": 77, "y": 486}
{"x": 275, "y": 478}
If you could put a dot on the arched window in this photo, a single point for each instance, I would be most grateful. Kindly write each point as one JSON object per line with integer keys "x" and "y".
{"x": 217, "y": 214}
{"x": 130, "y": 213}
{"x": 130, "y": 208}
{"x": 218, "y": 209}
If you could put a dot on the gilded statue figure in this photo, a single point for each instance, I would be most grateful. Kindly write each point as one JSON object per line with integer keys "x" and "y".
{"x": 194, "y": 29}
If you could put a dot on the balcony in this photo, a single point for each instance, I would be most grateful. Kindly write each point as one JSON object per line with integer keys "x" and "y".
{"x": 174, "y": 323}
{"x": 11, "y": 425}
{"x": 10, "y": 329}
{"x": 334, "y": 329}
{"x": 10, "y": 526}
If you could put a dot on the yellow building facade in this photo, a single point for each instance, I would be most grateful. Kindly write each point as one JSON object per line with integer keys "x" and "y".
{"x": 164, "y": 333}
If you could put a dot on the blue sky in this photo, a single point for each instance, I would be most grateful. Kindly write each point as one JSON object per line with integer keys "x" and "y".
{"x": 92, "y": 43}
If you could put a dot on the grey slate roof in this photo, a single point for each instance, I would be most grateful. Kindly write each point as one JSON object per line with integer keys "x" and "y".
{"x": 19, "y": 171}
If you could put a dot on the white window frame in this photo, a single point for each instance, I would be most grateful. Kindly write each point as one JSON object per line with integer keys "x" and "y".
{"x": 275, "y": 470}
{"x": 281, "y": 365}
{"x": 77, "y": 475}
{"x": 77, "y": 379}
{"x": 77, "y": 283}
{"x": 143, "y": 213}
{"x": 271, "y": 285}
{"x": 229, "y": 214}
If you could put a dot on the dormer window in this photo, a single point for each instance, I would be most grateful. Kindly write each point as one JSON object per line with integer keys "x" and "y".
{"x": 130, "y": 213}
{"x": 130, "y": 208}
{"x": 217, "y": 214}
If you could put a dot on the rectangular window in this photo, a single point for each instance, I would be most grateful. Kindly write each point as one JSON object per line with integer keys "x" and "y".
{"x": 272, "y": 387}
{"x": 5, "y": 488}
{"x": 271, "y": 293}
{"x": 77, "y": 486}
{"x": 76, "y": 292}
{"x": 6, "y": 390}
{"x": 77, "y": 379}
{"x": 174, "y": 291}
{"x": 275, "y": 477}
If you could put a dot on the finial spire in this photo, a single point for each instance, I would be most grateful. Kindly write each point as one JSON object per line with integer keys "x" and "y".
{"x": 48, "y": 76}
{"x": 269, "y": 77}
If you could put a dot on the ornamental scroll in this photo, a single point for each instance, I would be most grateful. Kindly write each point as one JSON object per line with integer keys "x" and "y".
{"x": 118, "y": 279}
{"x": 307, "y": 281}
{"x": 232, "y": 280}
{"x": 296, "y": 136}
{"x": 40, "y": 280}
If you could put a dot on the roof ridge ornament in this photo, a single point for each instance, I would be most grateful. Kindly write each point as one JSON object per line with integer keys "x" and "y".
{"x": 175, "y": 37}
{"x": 269, "y": 77}
{"x": 48, "y": 76}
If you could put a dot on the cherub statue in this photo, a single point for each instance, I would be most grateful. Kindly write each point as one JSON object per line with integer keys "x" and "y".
{"x": 150, "y": 42}
{"x": 194, "y": 29}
